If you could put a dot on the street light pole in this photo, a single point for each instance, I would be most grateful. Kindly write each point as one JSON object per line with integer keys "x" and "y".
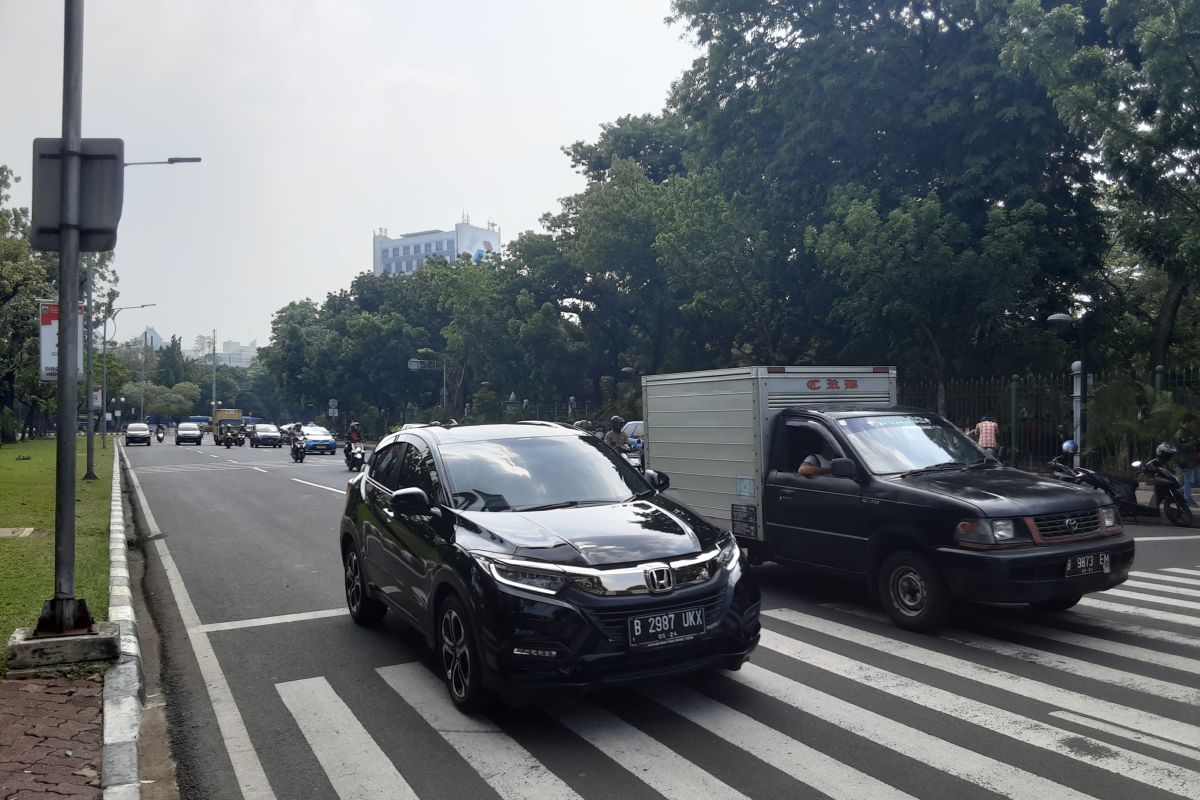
{"x": 90, "y": 474}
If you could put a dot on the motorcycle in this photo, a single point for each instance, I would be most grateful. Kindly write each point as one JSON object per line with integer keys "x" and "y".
{"x": 160, "y": 435}
{"x": 228, "y": 441}
{"x": 1168, "y": 493}
{"x": 297, "y": 450}
{"x": 356, "y": 456}
{"x": 241, "y": 438}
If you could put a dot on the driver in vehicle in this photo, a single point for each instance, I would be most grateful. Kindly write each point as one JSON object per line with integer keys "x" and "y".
{"x": 819, "y": 463}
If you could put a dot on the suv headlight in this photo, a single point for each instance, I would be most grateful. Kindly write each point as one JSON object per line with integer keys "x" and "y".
{"x": 543, "y": 580}
{"x": 730, "y": 552}
{"x": 1110, "y": 516}
{"x": 985, "y": 531}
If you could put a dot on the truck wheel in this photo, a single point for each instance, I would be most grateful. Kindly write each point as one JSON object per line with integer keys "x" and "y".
{"x": 912, "y": 592}
{"x": 1060, "y": 603}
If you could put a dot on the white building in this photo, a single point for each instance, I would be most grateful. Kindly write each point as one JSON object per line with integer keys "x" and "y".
{"x": 234, "y": 354}
{"x": 405, "y": 254}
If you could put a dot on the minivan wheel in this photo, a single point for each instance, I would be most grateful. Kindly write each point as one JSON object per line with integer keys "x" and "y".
{"x": 1060, "y": 603}
{"x": 364, "y": 609}
{"x": 912, "y": 592}
{"x": 459, "y": 659}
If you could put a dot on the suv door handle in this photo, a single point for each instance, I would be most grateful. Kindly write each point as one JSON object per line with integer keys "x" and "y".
{"x": 785, "y": 494}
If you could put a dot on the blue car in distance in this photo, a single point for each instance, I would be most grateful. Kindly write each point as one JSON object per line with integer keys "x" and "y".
{"x": 318, "y": 440}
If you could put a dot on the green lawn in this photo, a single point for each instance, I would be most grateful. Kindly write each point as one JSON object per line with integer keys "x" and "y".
{"x": 27, "y": 501}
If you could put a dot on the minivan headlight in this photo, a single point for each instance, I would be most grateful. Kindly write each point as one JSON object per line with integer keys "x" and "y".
{"x": 1110, "y": 516}
{"x": 985, "y": 531}
{"x": 544, "y": 580}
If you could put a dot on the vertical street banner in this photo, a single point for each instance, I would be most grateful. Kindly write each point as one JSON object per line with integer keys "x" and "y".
{"x": 48, "y": 324}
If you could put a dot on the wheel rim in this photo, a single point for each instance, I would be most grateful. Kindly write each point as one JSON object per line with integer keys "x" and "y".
{"x": 456, "y": 657}
{"x": 353, "y": 582}
{"x": 908, "y": 591}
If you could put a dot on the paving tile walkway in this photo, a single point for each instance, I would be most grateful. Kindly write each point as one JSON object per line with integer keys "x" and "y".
{"x": 51, "y": 735}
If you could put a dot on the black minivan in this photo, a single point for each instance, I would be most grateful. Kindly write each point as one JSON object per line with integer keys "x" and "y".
{"x": 904, "y": 499}
{"x": 533, "y": 556}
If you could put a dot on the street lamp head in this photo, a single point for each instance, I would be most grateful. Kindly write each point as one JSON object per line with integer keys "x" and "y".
{"x": 1061, "y": 319}
{"x": 184, "y": 160}
{"x": 628, "y": 370}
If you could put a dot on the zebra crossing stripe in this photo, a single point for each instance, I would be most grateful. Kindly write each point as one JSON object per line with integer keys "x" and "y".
{"x": 511, "y": 770}
{"x": 979, "y": 769}
{"x": 1117, "y": 730}
{"x": 1160, "y": 577}
{"x": 664, "y": 770}
{"x": 1195, "y": 573}
{"x": 1152, "y": 598}
{"x": 989, "y": 676}
{"x": 1135, "y": 766}
{"x": 1158, "y": 587}
{"x": 1142, "y": 654}
{"x": 1138, "y": 611}
{"x": 809, "y": 766}
{"x": 355, "y": 765}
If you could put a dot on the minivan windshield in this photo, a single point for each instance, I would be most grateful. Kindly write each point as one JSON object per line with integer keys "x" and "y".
{"x": 538, "y": 473}
{"x": 891, "y": 443}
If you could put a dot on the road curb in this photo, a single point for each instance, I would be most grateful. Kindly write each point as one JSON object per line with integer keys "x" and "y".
{"x": 123, "y": 684}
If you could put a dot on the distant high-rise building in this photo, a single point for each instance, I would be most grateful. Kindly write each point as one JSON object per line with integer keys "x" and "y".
{"x": 151, "y": 339}
{"x": 405, "y": 254}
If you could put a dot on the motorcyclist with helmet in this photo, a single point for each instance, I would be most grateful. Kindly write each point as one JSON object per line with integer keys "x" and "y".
{"x": 353, "y": 436}
{"x": 615, "y": 437}
{"x": 1164, "y": 455}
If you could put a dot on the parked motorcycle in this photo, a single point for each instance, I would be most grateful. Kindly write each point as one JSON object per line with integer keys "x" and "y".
{"x": 298, "y": 450}
{"x": 356, "y": 456}
{"x": 1168, "y": 494}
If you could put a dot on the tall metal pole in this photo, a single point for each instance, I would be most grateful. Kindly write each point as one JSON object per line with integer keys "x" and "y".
{"x": 104, "y": 382}
{"x": 65, "y": 613}
{"x": 214, "y": 380}
{"x": 90, "y": 475}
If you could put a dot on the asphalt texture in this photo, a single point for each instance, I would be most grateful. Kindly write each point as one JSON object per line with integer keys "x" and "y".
{"x": 253, "y": 535}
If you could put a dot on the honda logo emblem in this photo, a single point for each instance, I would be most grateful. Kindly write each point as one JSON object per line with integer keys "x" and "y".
{"x": 660, "y": 579}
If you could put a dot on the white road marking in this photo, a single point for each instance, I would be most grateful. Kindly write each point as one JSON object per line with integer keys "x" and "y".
{"x": 996, "y": 678}
{"x": 246, "y": 766}
{"x": 1158, "y": 576}
{"x": 276, "y": 620}
{"x": 809, "y": 766}
{"x": 1158, "y": 587}
{"x": 260, "y": 469}
{"x": 319, "y": 486}
{"x": 1138, "y": 611}
{"x": 499, "y": 759}
{"x": 1144, "y": 769}
{"x": 996, "y": 776}
{"x": 1150, "y": 598}
{"x": 1137, "y": 736}
{"x": 355, "y": 765}
{"x": 664, "y": 770}
{"x": 1195, "y": 573}
{"x": 1141, "y": 654}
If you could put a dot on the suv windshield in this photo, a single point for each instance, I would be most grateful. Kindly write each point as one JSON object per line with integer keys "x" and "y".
{"x": 263, "y": 428}
{"x": 902, "y": 442}
{"x": 536, "y": 472}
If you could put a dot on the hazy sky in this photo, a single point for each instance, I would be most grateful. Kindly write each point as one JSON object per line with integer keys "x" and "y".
{"x": 319, "y": 121}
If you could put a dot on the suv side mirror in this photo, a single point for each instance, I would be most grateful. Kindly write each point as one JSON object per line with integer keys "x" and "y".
{"x": 843, "y": 468}
{"x": 659, "y": 480}
{"x": 410, "y": 501}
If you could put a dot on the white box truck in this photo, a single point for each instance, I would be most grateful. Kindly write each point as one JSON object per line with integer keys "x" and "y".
{"x": 709, "y": 430}
{"x": 818, "y": 467}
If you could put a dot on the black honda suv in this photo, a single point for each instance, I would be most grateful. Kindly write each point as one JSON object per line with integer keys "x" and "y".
{"x": 532, "y": 555}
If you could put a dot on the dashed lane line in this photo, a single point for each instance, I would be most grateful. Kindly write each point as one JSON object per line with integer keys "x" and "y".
{"x": 319, "y": 486}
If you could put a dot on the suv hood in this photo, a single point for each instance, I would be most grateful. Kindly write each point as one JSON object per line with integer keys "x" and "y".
{"x": 636, "y": 531}
{"x": 1006, "y": 492}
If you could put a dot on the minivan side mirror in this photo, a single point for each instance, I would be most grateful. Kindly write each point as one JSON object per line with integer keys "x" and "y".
{"x": 410, "y": 501}
{"x": 659, "y": 480}
{"x": 843, "y": 468}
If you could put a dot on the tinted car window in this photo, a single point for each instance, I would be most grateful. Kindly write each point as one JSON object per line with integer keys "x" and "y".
{"x": 384, "y": 467}
{"x": 417, "y": 469}
{"x": 895, "y": 443}
{"x": 516, "y": 474}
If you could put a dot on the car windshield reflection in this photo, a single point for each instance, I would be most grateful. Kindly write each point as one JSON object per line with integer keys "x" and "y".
{"x": 895, "y": 443}
{"x": 537, "y": 473}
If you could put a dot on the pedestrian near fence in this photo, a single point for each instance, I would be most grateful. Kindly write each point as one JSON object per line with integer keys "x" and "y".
{"x": 1187, "y": 450}
{"x": 986, "y": 433}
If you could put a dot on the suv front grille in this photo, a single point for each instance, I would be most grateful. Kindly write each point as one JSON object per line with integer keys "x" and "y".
{"x": 612, "y": 622}
{"x": 1068, "y": 524}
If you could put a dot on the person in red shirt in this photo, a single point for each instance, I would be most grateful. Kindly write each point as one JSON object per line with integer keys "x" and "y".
{"x": 986, "y": 434}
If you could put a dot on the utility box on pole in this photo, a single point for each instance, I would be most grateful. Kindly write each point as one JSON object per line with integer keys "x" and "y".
{"x": 101, "y": 193}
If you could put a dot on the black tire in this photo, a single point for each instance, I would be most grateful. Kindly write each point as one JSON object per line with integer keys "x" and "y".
{"x": 1177, "y": 512}
{"x": 1060, "y": 603}
{"x": 458, "y": 657}
{"x": 177, "y": 443}
{"x": 364, "y": 609}
{"x": 912, "y": 591}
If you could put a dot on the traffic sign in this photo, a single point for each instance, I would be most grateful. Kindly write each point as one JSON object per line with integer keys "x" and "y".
{"x": 332, "y": 412}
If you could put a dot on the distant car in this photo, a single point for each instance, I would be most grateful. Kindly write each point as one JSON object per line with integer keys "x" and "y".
{"x": 137, "y": 433}
{"x": 635, "y": 429}
{"x": 188, "y": 433}
{"x": 264, "y": 434}
{"x": 318, "y": 440}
